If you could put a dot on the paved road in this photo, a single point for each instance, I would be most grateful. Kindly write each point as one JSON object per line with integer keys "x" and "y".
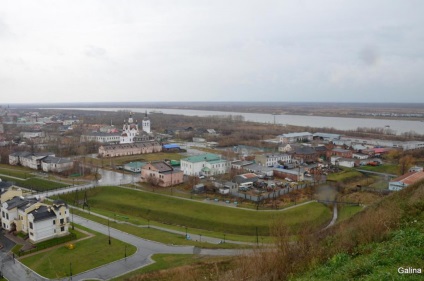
{"x": 334, "y": 219}
{"x": 377, "y": 173}
{"x": 108, "y": 178}
{"x": 14, "y": 270}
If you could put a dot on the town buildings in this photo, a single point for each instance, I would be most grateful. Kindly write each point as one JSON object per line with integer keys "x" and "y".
{"x": 161, "y": 174}
{"x": 271, "y": 159}
{"x": 116, "y": 150}
{"x": 130, "y": 132}
{"x": 28, "y": 215}
{"x": 45, "y": 161}
{"x": 405, "y": 180}
{"x": 204, "y": 164}
{"x": 295, "y": 137}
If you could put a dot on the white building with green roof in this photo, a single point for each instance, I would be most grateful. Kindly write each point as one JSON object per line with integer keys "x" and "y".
{"x": 207, "y": 164}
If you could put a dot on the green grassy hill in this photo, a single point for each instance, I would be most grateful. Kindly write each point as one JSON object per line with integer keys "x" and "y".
{"x": 392, "y": 238}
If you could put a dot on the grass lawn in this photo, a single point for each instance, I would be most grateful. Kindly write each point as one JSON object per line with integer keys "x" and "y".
{"x": 175, "y": 211}
{"x": 87, "y": 254}
{"x": 167, "y": 261}
{"x": 208, "y": 150}
{"x": 345, "y": 175}
{"x": 162, "y": 261}
{"x": 171, "y": 238}
{"x": 386, "y": 168}
{"x": 36, "y": 183}
{"x": 346, "y": 212}
{"x": 16, "y": 172}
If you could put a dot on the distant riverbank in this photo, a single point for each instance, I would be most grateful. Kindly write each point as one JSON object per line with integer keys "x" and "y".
{"x": 340, "y": 123}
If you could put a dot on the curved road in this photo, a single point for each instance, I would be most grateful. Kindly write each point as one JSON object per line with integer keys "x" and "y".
{"x": 14, "y": 270}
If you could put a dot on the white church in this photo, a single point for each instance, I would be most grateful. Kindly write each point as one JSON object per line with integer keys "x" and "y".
{"x": 130, "y": 129}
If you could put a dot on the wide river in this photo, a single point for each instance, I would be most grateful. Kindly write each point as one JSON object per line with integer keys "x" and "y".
{"x": 398, "y": 126}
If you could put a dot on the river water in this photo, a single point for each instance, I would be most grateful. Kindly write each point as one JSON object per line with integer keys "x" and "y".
{"x": 397, "y": 126}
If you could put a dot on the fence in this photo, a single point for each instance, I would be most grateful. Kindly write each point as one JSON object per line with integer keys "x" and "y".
{"x": 48, "y": 244}
{"x": 338, "y": 202}
{"x": 273, "y": 194}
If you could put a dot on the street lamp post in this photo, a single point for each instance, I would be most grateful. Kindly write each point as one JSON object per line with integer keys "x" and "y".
{"x": 186, "y": 231}
{"x": 224, "y": 237}
{"x": 108, "y": 229}
{"x": 72, "y": 213}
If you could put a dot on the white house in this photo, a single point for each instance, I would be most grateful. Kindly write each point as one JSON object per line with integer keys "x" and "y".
{"x": 205, "y": 164}
{"x": 56, "y": 164}
{"x": 46, "y": 222}
{"x": 270, "y": 159}
{"x": 28, "y": 215}
{"x": 343, "y": 162}
{"x": 405, "y": 180}
{"x": 360, "y": 156}
{"x": 27, "y": 159}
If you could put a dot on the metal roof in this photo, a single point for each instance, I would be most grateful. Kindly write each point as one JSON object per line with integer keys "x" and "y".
{"x": 207, "y": 157}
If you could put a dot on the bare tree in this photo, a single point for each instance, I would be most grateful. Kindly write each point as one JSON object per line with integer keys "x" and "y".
{"x": 405, "y": 163}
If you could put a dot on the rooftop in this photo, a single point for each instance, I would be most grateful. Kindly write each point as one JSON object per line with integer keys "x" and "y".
{"x": 202, "y": 157}
{"x": 410, "y": 178}
{"x": 42, "y": 213}
{"x": 294, "y": 135}
{"x": 56, "y": 160}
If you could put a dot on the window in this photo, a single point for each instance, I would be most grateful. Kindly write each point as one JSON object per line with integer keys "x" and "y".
{"x": 7, "y": 216}
{"x": 2, "y": 213}
{"x": 54, "y": 221}
{"x": 62, "y": 228}
{"x": 62, "y": 221}
{"x": 31, "y": 226}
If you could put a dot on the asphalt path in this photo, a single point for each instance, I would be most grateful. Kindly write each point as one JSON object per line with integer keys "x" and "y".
{"x": 377, "y": 173}
{"x": 14, "y": 270}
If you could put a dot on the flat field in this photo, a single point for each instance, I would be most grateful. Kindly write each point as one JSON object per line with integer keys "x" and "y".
{"x": 176, "y": 211}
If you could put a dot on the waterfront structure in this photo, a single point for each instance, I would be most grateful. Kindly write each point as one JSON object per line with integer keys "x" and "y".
{"x": 207, "y": 164}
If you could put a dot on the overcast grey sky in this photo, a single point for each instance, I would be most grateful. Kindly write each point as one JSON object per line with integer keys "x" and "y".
{"x": 134, "y": 50}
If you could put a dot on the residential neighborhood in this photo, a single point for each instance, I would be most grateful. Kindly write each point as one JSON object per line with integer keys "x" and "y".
{"x": 280, "y": 171}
